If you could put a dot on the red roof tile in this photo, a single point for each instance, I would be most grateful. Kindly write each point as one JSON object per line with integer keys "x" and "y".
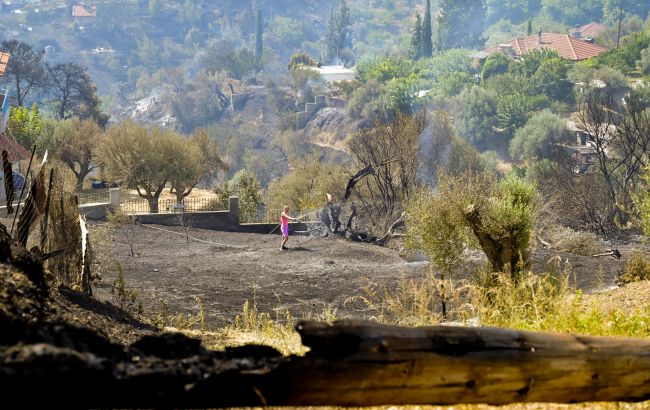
{"x": 567, "y": 46}
{"x": 592, "y": 29}
{"x": 81, "y": 11}
{"x": 16, "y": 151}
{"x": 4, "y": 60}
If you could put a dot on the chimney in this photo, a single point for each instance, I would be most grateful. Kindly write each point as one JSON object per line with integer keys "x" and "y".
{"x": 539, "y": 37}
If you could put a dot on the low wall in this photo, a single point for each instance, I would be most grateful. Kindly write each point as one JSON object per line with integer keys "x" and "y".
{"x": 213, "y": 220}
{"x": 94, "y": 211}
{"x": 271, "y": 228}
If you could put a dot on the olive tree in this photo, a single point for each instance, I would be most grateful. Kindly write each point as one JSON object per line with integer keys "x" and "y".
{"x": 538, "y": 138}
{"x": 195, "y": 159}
{"x": 473, "y": 210}
{"x": 74, "y": 142}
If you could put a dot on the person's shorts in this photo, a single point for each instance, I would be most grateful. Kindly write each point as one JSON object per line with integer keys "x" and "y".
{"x": 285, "y": 230}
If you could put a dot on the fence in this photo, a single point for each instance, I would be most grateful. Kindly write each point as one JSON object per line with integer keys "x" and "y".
{"x": 95, "y": 196}
{"x": 142, "y": 206}
{"x": 48, "y": 218}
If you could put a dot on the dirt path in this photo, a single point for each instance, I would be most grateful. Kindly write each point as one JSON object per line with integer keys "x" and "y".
{"x": 227, "y": 269}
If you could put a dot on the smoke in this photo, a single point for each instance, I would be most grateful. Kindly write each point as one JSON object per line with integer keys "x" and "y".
{"x": 435, "y": 148}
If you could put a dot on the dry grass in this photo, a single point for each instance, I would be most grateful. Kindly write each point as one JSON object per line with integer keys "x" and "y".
{"x": 577, "y": 242}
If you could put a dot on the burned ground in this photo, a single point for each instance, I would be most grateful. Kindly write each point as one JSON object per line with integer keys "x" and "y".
{"x": 224, "y": 269}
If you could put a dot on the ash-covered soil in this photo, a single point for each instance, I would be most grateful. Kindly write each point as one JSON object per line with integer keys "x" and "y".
{"x": 315, "y": 275}
{"x": 225, "y": 269}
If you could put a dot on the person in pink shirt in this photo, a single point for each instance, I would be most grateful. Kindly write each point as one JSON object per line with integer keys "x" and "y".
{"x": 284, "y": 226}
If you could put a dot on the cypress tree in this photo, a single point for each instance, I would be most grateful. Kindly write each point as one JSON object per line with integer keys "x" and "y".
{"x": 416, "y": 41}
{"x": 338, "y": 35}
{"x": 427, "y": 34}
{"x": 259, "y": 37}
{"x": 529, "y": 31}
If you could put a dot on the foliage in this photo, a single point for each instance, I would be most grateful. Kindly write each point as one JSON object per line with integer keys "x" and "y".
{"x": 604, "y": 83}
{"x": 74, "y": 142}
{"x": 538, "y": 138}
{"x": 222, "y": 56}
{"x": 25, "y": 125}
{"x": 512, "y": 111}
{"x": 143, "y": 159}
{"x": 305, "y": 187}
{"x": 476, "y": 120}
{"x": 287, "y": 32}
{"x": 637, "y": 267}
{"x": 339, "y": 34}
{"x": 382, "y": 68}
{"x": 244, "y": 185}
{"x": 415, "y": 52}
{"x": 426, "y": 41}
{"x": 444, "y": 63}
{"x": 495, "y": 64}
{"x": 474, "y": 210}
{"x": 198, "y": 104}
{"x": 573, "y": 11}
{"x": 460, "y": 24}
{"x": 644, "y": 62}
{"x": 193, "y": 160}
{"x": 25, "y": 71}
{"x": 625, "y": 58}
{"x": 259, "y": 37}
{"x": 368, "y": 101}
{"x": 301, "y": 60}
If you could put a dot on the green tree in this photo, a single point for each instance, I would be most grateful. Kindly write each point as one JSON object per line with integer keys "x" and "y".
{"x": 141, "y": 159}
{"x": 25, "y": 125}
{"x": 427, "y": 33}
{"x": 305, "y": 187}
{"x": 383, "y": 68}
{"x": 495, "y": 64}
{"x": 476, "y": 121}
{"x": 74, "y": 142}
{"x": 512, "y": 111}
{"x": 244, "y": 185}
{"x": 473, "y": 210}
{"x": 415, "y": 52}
{"x": 196, "y": 158}
{"x": 259, "y": 37}
{"x": 538, "y": 138}
{"x": 460, "y": 24}
{"x": 644, "y": 62}
{"x": 625, "y": 58}
{"x": 339, "y": 34}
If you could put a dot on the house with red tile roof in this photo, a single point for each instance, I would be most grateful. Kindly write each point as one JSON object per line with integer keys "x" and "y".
{"x": 4, "y": 100}
{"x": 82, "y": 11}
{"x": 4, "y": 60}
{"x": 590, "y": 30}
{"x": 15, "y": 150}
{"x": 568, "y": 47}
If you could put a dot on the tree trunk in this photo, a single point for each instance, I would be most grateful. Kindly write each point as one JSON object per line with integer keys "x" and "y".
{"x": 499, "y": 251}
{"x": 349, "y": 364}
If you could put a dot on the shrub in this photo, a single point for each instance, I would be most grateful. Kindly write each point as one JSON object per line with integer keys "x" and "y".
{"x": 637, "y": 268}
{"x": 577, "y": 242}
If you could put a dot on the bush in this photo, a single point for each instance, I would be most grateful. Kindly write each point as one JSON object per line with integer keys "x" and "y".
{"x": 538, "y": 138}
{"x": 577, "y": 242}
{"x": 637, "y": 268}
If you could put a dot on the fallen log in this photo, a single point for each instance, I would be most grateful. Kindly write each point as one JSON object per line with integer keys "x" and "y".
{"x": 349, "y": 364}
